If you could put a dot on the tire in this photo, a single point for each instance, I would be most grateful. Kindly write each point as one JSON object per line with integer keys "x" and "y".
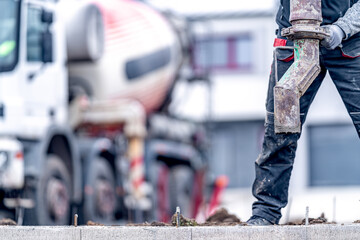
{"x": 181, "y": 180}
{"x": 160, "y": 179}
{"x": 174, "y": 187}
{"x": 100, "y": 203}
{"x": 51, "y": 195}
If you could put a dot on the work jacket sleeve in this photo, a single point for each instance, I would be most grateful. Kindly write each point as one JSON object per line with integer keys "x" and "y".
{"x": 350, "y": 22}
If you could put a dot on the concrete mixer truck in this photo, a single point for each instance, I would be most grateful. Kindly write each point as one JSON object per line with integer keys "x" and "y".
{"x": 82, "y": 88}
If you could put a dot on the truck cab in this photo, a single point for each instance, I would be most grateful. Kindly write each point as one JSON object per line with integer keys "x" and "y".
{"x": 34, "y": 138}
{"x": 33, "y": 78}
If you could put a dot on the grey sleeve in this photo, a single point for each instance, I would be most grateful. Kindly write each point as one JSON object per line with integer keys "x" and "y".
{"x": 350, "y": 22}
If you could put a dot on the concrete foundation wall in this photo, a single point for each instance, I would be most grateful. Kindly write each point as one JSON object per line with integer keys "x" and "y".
{"x": 325, "y": 231}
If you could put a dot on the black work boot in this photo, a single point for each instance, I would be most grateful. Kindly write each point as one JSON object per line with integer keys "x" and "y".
{"x": 258, "y": 221}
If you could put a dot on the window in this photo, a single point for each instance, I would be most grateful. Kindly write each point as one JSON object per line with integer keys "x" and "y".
{"x": 234, "y": 149}
{"x": 334, "y": 155}
{"x": 9, "y": 25}
{"x": 211, "y": 53}
{"x": 243, "y": 52}
{"x": 229, "y": 53}
{"x": 35, "y": 29}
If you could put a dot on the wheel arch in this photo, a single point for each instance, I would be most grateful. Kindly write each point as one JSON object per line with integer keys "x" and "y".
{"x": 60, "y": 141}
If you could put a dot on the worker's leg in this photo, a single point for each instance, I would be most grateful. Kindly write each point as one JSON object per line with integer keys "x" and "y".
{"x": 345, "y": 73}
{"x": 274, "y": 164}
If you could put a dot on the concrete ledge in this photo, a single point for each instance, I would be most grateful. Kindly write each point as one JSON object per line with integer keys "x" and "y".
{"x": 351, "y": 231}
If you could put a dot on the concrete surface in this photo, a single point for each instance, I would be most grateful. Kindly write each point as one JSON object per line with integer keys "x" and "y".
{"x": 325, "y": 231}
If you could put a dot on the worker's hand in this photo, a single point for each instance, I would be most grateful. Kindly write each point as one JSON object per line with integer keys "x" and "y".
{"x": 335, "y": 38}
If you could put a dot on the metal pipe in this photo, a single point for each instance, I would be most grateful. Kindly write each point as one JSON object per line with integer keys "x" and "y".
{"x": 293, "y": 85}
{"x": 305, "y": 10}
{"x": 305, "y": 17}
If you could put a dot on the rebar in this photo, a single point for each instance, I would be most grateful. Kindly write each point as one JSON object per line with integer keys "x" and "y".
{"x": 334, "y": 209}
{"x": 177, "y": 216}
{"x": 307, "y": 216}
{"x": 76, "y": 220}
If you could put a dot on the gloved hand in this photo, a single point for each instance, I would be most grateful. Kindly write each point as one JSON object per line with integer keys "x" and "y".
{"x": 335, "y": 38}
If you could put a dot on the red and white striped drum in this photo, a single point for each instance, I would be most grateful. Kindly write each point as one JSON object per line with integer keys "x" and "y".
{"x": 141, "y": 53}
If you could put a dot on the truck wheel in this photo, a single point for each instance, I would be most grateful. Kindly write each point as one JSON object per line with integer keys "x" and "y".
{"x": 174, "y": 187}
{"x": 51, "y": 195}
{"x": 160, "y": 179}
{"x": 181, "y": 180}
{"x": 100, "y": 201}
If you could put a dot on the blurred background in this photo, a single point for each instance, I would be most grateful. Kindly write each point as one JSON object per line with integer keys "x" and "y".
{"x": 165, "y": 97}
{"x": 237, "y": 36}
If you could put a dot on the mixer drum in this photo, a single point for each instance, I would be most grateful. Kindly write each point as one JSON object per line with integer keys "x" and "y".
{"x": 141, "y": 54}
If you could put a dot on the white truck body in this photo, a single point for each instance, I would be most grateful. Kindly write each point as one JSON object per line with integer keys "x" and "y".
{"x": 67, "y": 65}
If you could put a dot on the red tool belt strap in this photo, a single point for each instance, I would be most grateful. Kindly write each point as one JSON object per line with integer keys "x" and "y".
{"x": 279, "y": 42}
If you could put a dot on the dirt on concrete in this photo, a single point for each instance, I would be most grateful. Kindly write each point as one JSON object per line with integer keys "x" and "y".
{"x": 147, "y": 224}
{"x": 220, "y": 218}
{"x": 319, "y": 220}
{"x": 184, "y": 221}
{"x": 91, "y": 223}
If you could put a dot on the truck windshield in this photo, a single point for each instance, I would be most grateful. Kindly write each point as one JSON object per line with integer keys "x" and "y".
{"x": 9, "y": 25}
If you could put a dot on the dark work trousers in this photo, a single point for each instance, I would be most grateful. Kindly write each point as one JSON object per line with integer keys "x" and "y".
{"x": 275, "y": 162}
